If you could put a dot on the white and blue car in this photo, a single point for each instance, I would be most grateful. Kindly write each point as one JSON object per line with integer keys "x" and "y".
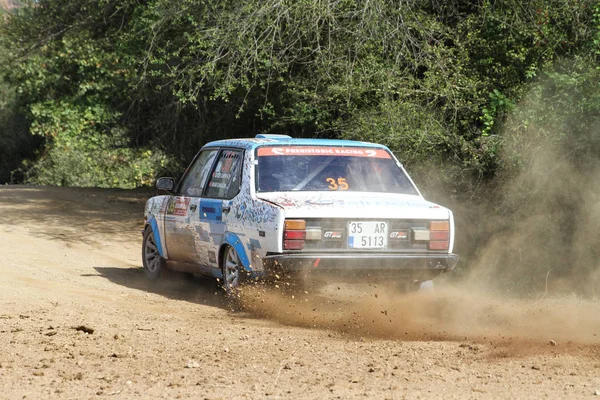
{"x": 275, "y": 205}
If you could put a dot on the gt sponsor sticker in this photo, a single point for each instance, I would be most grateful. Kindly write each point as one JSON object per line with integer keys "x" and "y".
{"x": 399, "y": 235}
{"x": 322, "y": 151}
{"x": 333, "y": 235}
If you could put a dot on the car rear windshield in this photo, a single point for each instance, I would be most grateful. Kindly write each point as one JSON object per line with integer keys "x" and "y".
{"x": 320, "y": 168}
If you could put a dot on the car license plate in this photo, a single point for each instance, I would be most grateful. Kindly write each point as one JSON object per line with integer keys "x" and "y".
{"x": 367, "y": 235}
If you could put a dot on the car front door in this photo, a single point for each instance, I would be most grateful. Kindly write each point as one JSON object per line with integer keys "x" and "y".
{"x": 182, "y": 212}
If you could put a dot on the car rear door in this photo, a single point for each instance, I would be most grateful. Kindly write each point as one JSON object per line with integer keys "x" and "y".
{"x": 223, "y": 185}
{"x": 181, "y": 238}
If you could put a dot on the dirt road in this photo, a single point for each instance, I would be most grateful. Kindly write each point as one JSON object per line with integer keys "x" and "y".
{"x": 79, "y": 320}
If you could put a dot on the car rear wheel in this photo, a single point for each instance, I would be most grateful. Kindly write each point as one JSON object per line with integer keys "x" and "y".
{"x": 234, "y": 273}
{"x": 154, "y": 265}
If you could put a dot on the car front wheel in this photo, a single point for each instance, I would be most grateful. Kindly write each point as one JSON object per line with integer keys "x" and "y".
{"x": 154, "y": 264}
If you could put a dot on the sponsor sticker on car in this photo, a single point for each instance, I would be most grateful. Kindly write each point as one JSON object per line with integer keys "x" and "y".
{"x": 178, "y": 206}
{"x": 399, "y": 235}
{"x": 333, "y": 235}
{"x": 322, "y": 151}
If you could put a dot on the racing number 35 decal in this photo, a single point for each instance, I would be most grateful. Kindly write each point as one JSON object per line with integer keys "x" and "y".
{"x": 339, "y": 184}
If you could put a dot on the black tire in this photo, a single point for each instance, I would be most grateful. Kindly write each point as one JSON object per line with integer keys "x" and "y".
{"x": 155, "y": 266}
{"x": 234, "y": 274}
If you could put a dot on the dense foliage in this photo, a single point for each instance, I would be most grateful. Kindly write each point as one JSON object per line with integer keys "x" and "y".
{"x": 468, "y": 94}
{"x": 120, "y": 90}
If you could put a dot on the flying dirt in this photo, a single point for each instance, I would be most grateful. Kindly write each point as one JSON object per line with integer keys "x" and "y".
{"x": 78, "y": 319}
{"x": 451, "y": 313}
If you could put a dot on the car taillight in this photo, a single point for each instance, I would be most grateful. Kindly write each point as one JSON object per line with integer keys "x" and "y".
{"x": 294, "y": 233}
{"x": 439, "y": 226}
{"x": 299, "y": 235}
{"x": 439, "y": 235}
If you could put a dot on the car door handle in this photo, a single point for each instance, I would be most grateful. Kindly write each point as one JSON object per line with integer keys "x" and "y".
{"x": 193, "y": 207}
{"x": 226, "y": 209}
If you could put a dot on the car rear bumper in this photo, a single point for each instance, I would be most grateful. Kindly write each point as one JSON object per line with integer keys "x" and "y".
{"x": 362, "y": 262}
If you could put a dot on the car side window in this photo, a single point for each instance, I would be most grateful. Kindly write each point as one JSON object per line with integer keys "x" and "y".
{"x": 225, "y": 180}
{"x": 193, "y": 182}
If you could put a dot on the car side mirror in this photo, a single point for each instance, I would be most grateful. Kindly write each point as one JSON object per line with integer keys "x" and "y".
{"x": 167, "y": 184}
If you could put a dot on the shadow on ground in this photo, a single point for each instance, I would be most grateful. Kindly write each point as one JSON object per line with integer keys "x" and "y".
{"x": 196, "y": 289}
{"x": 75, "y": 215}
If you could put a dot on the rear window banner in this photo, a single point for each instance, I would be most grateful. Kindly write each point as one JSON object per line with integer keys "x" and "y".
{"x": 323, "y": 151}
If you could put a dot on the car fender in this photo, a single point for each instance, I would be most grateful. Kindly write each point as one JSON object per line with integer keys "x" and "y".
{"x": 154, "y": 215}
{"x": 231, "y": 239}
{"x": 157, "y": 236}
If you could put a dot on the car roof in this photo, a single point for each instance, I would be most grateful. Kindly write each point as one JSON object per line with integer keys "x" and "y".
{"x": 270, "y": 140}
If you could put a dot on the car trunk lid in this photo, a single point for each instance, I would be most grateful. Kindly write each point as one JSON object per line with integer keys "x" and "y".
{"x": 332, "y": 222}
{"x": 354, "y": 205}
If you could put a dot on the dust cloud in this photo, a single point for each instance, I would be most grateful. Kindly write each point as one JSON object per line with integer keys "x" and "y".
{"x": 536, "y": 226}
{"x": 529, "y": 242}
{"x": 542, "y": 237}
{"x": 453, "y": 312}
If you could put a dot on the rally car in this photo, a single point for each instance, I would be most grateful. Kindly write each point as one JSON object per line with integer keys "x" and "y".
{"x": 275, "y": 205}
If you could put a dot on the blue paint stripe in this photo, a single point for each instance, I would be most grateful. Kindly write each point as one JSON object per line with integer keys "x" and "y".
{"x": 232, "y": 240}
{"x": 156, "y": 234}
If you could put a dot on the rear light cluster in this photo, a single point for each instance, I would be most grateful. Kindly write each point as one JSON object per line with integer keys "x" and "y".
{"x": 294, "y": 234}
{"x": 439, "y": 235}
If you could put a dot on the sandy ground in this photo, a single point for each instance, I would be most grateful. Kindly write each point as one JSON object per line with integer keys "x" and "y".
{"x": 78, "y": 320}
